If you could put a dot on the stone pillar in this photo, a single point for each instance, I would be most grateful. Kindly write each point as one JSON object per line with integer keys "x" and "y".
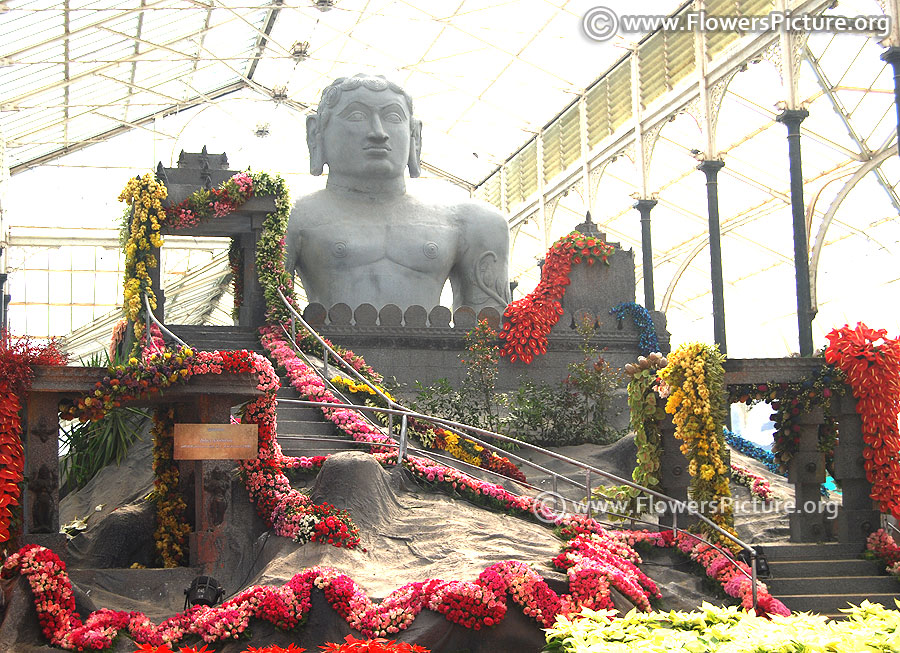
{"x": 857, "y": 516}
{"x": 212, "y": 489}
{"x": 675, "y": 477}
{"x": 807, "y": 472}
{"x": 40, "y": 496}
{"x": 644, "y": 207}
{"x": 711, "y": 169}
{"x": 252, "y": 312}
{"x": 792, "y": 119}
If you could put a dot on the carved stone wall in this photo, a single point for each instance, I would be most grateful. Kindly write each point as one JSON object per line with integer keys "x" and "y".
{"x": 424, "y": 346}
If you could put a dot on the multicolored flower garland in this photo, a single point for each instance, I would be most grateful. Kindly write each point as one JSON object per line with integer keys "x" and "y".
{"x": 529, "y": 320}
{"x": 697, "y": 405}
{"x": 759, "y": 487}
{"x": 871, "y": 362}
{"x": 788, "y": 402}
{"x": 593, "y": 564}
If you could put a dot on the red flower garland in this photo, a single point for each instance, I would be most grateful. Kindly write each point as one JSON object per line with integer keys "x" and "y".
{"x": 529, "y": 320}
{"x": 871, "y": 362}
{"x": 593, "y": 563}
{"x": 17, "y": 358}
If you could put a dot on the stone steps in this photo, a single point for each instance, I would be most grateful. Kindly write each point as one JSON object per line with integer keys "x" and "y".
{"x": 221, "y": 338}
{"x": 825, "y": 578}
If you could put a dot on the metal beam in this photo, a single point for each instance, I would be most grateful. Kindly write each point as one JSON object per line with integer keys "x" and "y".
{"x": 844, "y": 116}
{"x": 121, "y": 129}
{"x": 264, "y": 36}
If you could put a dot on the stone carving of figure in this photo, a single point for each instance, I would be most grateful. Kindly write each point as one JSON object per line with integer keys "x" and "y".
{"x": 42, "y": 508}
{"x": 364, "y": 238}
{"x": 217, "y": 485}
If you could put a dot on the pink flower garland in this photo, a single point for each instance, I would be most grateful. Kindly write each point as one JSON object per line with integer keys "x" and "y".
{"x": 718, "y": 567}
{"x": 592, "y": 568}
{"x": 759, "y": 486}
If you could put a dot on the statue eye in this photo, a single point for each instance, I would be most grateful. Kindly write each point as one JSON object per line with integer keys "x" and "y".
{"x": 393, "y": 116}
{"x": 355, "y": 116}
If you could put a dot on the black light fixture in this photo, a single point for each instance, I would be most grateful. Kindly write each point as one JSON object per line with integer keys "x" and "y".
{"x": 324, "y": 5}
{"x": 204, "y": 590}
{"x": 762, "y": 563}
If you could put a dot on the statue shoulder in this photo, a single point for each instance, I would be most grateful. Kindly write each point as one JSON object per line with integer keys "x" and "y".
{"x": 310, "y": 203}
{"x": 481, "y": 219}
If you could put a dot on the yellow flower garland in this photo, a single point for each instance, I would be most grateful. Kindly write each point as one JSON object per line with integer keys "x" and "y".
{"x": 697, "y": 404}
{"x": 171, "y": 526}
{"x": 145, "y": 195}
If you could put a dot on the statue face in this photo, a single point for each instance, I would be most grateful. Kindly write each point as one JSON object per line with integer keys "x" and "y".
{"x": 368, "y": 135}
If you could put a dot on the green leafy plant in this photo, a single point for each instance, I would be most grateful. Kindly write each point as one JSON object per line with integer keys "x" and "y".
{"x": 91, "y": 446}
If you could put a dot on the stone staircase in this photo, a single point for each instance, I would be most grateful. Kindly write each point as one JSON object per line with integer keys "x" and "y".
{"x": 824, "y": 578}
{"x": 293, "y": 421}
{"x": 221, "y": 338}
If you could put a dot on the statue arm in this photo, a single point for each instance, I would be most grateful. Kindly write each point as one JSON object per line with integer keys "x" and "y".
{"x": 292, "y": 248}
{"x": 480, "y": 277}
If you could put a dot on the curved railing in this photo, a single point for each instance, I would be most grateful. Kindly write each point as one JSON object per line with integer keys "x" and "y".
{"x": 395, "y": 408}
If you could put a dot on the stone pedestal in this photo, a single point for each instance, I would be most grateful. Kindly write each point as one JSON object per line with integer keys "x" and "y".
{"x": 40, "y": 496}
{"x": 857, "y": 516}
{"x": 807, "y": 472}
{"x": 675, "y": 477}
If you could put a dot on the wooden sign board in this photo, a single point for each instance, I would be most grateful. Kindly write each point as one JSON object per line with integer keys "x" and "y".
{"x": 215, "y": 441}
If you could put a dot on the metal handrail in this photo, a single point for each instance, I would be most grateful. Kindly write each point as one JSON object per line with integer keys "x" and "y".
{"x": 589, "y": 469}
{"x": 152, "y": 318}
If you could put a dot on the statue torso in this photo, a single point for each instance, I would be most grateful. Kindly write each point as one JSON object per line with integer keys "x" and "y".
{"x": 354, "y": 250}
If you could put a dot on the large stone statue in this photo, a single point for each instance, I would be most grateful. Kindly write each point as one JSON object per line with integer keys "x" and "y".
{"x": 364, "y": 239}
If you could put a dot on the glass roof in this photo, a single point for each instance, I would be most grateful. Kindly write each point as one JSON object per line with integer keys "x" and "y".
{"x": 499, "y": 86}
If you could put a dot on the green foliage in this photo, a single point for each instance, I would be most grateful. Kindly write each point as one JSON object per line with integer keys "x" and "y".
{"x": 572, "y": 412}
{"x": 91, "y": 446}
{"x": 476, "y": 402}
{"x": 868, "y": 628}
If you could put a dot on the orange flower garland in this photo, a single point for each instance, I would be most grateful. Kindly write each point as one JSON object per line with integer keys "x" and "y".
{"x": 871, "y": 362}
{"x": 529, "y": 320}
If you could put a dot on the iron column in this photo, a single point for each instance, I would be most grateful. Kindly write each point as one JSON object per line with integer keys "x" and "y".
{"x": 710, "y": 168}
{"x": 892, "y": 56}
{"x": 792, "y": 119}
{"x": 644, "y": 206}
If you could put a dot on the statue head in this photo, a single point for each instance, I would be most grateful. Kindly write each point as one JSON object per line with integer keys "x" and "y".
{"x": 364, "y": 127}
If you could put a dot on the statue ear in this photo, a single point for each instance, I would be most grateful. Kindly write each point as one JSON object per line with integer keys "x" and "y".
{"x": 314, "y": 143}
{"x": 415, "y": 148}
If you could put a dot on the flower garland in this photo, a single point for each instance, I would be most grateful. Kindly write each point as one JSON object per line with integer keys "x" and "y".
{"x": 759, "y": 486}
{"x": 647, "y": 410}
{"x": 744, "y": 446}
{"x": 289, "y": 512}
{"x": 145, "y": 195}
{"x": 871, "y": 362}
{"x": 350, "y": 645}
{"x": 171, "y": 527}
{"x": 592, "y": 563}
{"x": 649, "y": 341}
{"x": 881, "y": 545}
{"x": 788, "y": 401}
{"x": 529, "y": 320}
{"x": 724, "y": 569}
{"x": 697, "y": 403}
{"x": 18, "y": 356}
{"x": 236, "y": 263}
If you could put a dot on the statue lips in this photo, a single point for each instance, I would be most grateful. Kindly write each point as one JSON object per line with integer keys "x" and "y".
{"x": 377, "y": 150}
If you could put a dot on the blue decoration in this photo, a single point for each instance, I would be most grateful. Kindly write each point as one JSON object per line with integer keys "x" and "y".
{"x": 739, "y": 443}
{"x": 642, "y": 320}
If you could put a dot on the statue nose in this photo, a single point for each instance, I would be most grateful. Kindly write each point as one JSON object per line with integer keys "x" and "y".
{"x": 376, "y": 130}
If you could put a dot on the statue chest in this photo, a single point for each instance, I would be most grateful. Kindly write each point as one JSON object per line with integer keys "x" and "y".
{"x": 346, "y": 245}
